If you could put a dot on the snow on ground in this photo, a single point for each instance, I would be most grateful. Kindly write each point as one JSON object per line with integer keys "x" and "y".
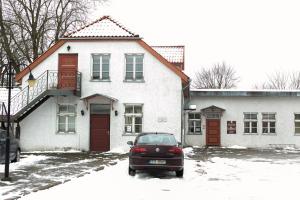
{"x": 215, "y": 179}
{"x": 236, "y": 147}
{"x": 27, "y": 160}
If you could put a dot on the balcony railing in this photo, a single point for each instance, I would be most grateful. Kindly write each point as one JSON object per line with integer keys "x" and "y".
{"x": 49, "y": 80}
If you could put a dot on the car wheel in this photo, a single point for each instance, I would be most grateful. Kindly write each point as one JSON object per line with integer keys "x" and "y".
{"x": 179, "y": 173}
{"x": 18, "y": 155}
{"x": 131, "y": 172}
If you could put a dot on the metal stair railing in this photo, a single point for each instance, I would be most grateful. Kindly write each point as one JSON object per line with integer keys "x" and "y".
{"x": 46, "y": 81}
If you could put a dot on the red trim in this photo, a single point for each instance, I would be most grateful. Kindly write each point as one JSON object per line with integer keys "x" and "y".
{"x": 175, "y": 69}
{"x": 40, "y": 59}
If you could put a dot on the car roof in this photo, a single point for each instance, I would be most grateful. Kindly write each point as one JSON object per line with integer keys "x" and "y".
{"x": 148, "y": 133}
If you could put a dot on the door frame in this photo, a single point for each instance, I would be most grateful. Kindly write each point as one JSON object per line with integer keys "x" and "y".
{"x": 219, "y": 134}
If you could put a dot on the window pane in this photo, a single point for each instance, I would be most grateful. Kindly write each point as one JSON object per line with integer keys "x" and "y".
{"x": 139, "y": 59}
{"x": 191, "y": 116}
{"x": 96, "y": 59}
{"x": 138, "y": 109}
{"x": 71, "y": 119}
{"x": 96, "y": 75}
{"x": 62, "y": 119}
{"x": 297, "y": 124}
{"x": 197, "y": 116}
{"x": 254, "y": 124}
{"x": 265, "y": 124}
{"x": 61, "y": 127}
{"x": 139, "y": 67}
{"x": 247, "y": 130}
{"x": 138, "y": 128}
{"x": 272, "y": 124}
{"x": 105, "y": 59}
{"x": 96, "y": 67}
{"x": 247, "y": 116}
{"x": 272, "y": 130}
{"x": 105, "y": 67}
{"x": 71, "y": 128}
{"x": 129, "y": 109}
{"x": 71, "y": 109}
{"x": 105, "y": 75}
{"x": 265, "y": 130}
{"x": 129, "y": 75}
{"x": 63, "y": 108}
{"x": 297, "y": 130}
{"x": 138, "y": 75}
{"x": 138, "y": 120}
{"x": 297, "y": 116}
{"x": 129, "y": 59}
{"x": 265, "y": 116}
{"x": 247, "y": 124}
{"x": 254, "y": 130}
{"x": 129, "y": 67}
{"x": 272, "y": 116}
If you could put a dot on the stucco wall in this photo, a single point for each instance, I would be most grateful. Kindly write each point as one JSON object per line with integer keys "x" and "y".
{"x": 160, "y": 95}
{"x": 285, "y": 107}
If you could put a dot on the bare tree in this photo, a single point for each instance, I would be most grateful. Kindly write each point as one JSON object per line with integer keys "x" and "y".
{"x": 281, "y": 81}
{"x": 29, "y": 27}
{"x": 220, "y": 76}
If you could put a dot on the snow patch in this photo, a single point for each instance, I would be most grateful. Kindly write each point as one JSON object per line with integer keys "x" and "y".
{"x": 119, "y": 150}
{"x": 236, "y": 147}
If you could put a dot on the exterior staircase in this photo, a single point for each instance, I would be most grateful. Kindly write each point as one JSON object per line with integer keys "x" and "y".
{"x": 50, "y": 83}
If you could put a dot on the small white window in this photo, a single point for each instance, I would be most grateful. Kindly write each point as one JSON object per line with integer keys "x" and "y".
{"x": 100, "y": 66}
{"x": 268, "y": 122}
{"x": 134, "y": 67}
{"x": 194, "y": 123}
{"x": 250, "y": 122}
{"x": 66, "y": 118}
{"x": 297, "y": 123}
{"x": 133, "y": 119}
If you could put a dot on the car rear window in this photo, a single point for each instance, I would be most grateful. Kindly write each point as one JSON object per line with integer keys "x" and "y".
{"x": 157, "y": 139}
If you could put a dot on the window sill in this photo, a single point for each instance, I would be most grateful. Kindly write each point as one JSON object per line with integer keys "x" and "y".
{"x": 65, "y": 133}
{"x": 269, "y": 134}
{"x": 250, "y": 134}
{"x": 297, "y": 134}
{"x": 99, "y": 80}
{"x": 129, "y": 134}
{"x": 194, "y": 134}
{"x": 134, "y": 81}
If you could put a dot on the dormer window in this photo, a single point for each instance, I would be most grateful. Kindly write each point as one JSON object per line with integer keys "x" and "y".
{"x": 100, "y": 66}
{"x": 134, "y": 67}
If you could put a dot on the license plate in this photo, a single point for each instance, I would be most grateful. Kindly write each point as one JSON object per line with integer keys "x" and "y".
{"x": 157, "y": 162}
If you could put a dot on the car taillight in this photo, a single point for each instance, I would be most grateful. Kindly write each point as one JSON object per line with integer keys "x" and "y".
{"x": 175, "y": 150}
{"x": 138, "y": 150}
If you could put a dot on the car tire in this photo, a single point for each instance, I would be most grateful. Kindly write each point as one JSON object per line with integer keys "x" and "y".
{"x": 18, "y": 155}
{"x": 179, "y": 173}
{"x": 131, "y": 172}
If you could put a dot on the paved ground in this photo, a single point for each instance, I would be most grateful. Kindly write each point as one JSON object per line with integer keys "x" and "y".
{"x": 57, "y": 168}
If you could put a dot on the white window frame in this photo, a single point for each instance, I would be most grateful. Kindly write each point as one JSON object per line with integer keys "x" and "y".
{"x": 250, "y": 123}
{"x": 133, "y": 115}
{"x": 67, "y": 118}
{"x": 134, "y": 66}
{"x": 268, "y": 121}
{"x": 194, "y": 120}
{"x": 296, "y": 120}
{"x": 100, "y": 67}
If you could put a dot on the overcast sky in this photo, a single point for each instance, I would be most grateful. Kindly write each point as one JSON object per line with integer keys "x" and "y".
{"x": 256, "y": 37}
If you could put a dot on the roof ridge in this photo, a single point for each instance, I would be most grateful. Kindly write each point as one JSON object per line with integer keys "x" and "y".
{"x": 168, "y": 46}
{"x": 101, "y": 19}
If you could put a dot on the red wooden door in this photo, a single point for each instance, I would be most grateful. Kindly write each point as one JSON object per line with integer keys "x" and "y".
{"x": 99, "y": 133}
{"x": 67, "y": 71}
{"x": 213, "y": 132}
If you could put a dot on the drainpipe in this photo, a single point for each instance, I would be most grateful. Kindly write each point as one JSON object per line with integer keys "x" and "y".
{"x": 182, "y": 138}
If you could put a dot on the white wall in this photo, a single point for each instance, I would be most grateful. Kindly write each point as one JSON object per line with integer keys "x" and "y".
{"x": 160, "y": 95}
{"x": 285, "y": 107}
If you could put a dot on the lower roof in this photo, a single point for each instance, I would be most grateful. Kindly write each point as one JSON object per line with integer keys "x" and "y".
{"x": 243, "y": 93}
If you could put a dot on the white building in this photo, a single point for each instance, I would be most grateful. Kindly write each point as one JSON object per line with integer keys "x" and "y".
{"x": 97, "y": 88}
{"x": 258, "y": 119}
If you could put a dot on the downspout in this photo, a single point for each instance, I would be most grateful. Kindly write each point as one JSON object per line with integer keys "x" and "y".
{"x": 182, "y": 138}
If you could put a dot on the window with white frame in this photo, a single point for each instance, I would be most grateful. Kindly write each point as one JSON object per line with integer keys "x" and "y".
{"x": 250, "y": 122}
{"x": 268, "y": 122}
{"x": 66, "y": 118}
{"x": 194, "y": 123}
{"x": 134, "y": 67}
{"x": 297, "y": 123}
{"x": 100, "y": 66}
{"x": 133, "y": 119}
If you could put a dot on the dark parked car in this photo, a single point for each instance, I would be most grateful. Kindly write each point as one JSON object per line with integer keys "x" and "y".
{"x": 158, "y": 151}
{"x": 14, "y": 148}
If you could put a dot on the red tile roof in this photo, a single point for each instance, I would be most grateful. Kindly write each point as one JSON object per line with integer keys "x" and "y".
{"x": 105, "y": 27}
{"x": 173, "y": 54}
